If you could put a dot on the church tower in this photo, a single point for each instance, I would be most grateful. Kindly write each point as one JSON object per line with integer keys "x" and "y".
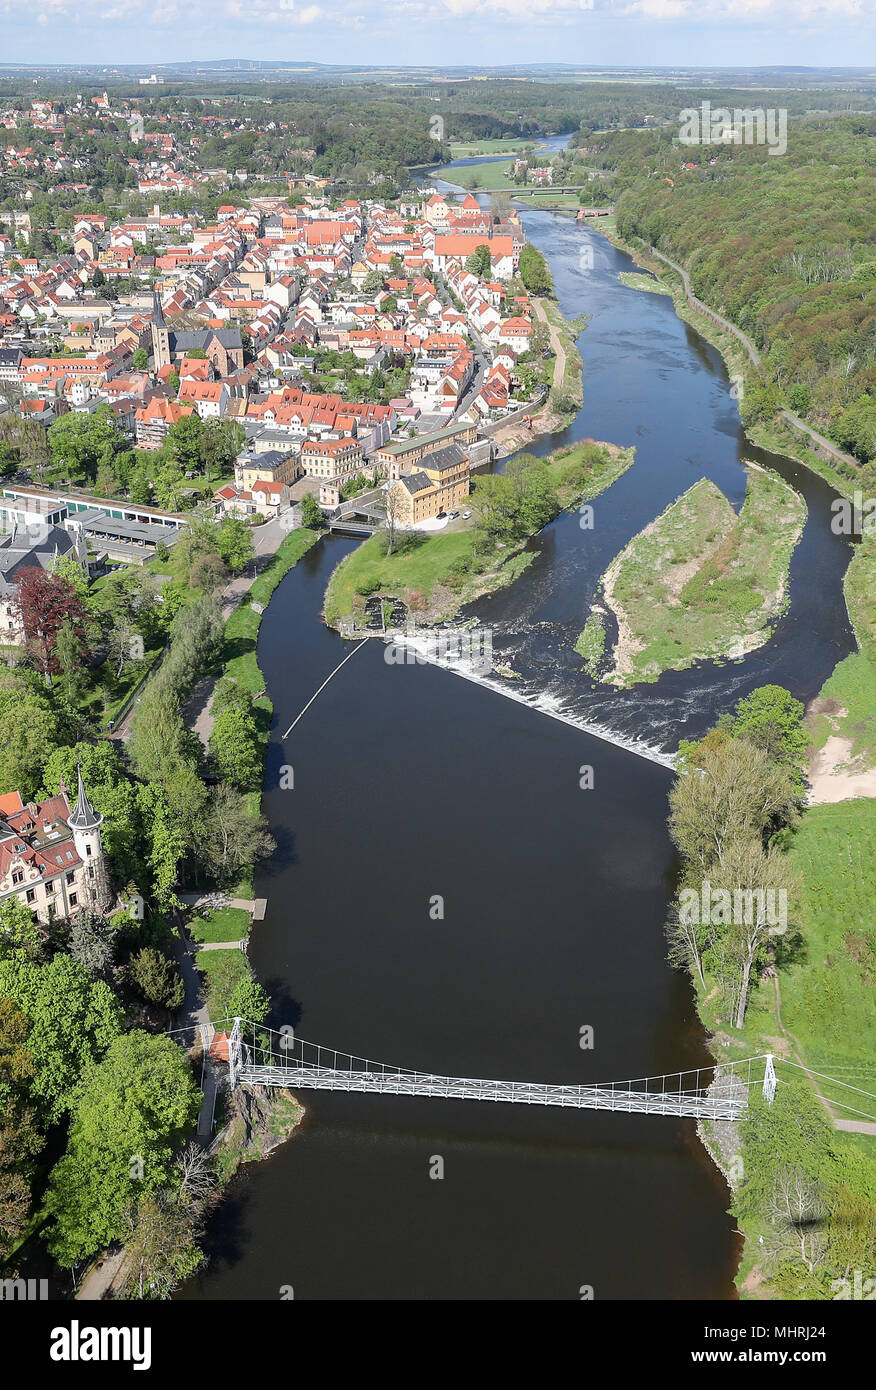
{"x": 160, "y": 335}
{"x": 85, "y": 822}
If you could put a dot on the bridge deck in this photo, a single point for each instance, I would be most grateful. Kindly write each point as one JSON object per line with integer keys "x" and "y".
{"x": 728, "y": 1106}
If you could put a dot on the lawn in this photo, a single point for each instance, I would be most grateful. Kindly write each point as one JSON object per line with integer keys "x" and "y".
{"x": 479, "y": 177}
{"x": 413, "y": 576}
{"x": 221, "y": 924}
{"x": 242, "y": 628}
{"x": 699, "y": 582}
{"x": 222, "y": 971}
{"x": 509, "y": 147}
{"x": 827, "y": 994}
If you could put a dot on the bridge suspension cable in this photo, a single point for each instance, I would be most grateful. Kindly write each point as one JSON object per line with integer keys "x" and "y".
{"x": 268, "y": 1057}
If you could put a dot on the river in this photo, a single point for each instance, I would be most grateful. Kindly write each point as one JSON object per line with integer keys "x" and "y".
{"x": 410, "y": 782}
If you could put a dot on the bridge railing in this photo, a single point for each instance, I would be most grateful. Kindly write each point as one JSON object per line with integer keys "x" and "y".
{"x": 280, "y": 1057}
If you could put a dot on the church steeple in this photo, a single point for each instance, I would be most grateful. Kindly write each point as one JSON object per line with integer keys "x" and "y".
{"x": 157, "y": 311}
{"x": 160, "y": 334}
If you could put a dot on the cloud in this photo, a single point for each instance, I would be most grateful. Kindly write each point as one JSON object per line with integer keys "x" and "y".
{"x": 274, "y": 12}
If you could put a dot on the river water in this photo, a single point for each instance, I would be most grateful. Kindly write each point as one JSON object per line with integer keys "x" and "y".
{"x": 410, "y": 782}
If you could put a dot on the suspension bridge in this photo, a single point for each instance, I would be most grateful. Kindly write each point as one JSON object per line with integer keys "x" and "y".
{"x": 266, "y": 1057}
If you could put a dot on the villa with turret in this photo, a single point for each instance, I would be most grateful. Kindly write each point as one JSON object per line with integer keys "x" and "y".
{"x": 52, "y": 856}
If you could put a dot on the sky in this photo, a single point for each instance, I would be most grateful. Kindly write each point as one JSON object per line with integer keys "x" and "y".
{"x": 677, "y": 33}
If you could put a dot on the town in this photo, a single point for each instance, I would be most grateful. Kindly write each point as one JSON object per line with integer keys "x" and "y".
{"x": 434, "y": 623}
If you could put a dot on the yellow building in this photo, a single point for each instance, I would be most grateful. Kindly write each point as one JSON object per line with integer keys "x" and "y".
{"x": 440, "y": 484}
{"x": 273, "y": 467}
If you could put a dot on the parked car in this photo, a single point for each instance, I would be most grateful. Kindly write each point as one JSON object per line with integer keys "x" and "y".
{"x": 451, "y": 516}
{"x": 466, "y": 515}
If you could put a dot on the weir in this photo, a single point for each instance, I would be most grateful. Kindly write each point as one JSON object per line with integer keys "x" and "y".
{"x": 544, "y": 704}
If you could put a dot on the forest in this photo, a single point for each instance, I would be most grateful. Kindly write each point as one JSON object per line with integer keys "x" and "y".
{"x": 783, "y": 247}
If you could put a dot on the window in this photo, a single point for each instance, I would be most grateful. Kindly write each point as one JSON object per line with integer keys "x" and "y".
{"x": 88, "y": 851}
{"x": 31, "y": 895}
{"x": 70, "y": 877}
{"x": 73, "y": 900}
{"x": 18, "y": 876}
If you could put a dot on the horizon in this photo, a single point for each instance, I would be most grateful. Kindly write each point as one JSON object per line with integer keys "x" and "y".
{"x": 401, "y": 34}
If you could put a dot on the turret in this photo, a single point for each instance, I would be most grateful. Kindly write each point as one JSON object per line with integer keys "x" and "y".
{"x": 85, "y": 822}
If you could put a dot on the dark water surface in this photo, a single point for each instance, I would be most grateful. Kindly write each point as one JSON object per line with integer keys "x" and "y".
{"x": 410, "y": 782}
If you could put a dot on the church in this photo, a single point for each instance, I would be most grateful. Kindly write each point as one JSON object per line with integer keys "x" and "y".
{"x": 223, "y": 346}
{"x": 52, "y": 857}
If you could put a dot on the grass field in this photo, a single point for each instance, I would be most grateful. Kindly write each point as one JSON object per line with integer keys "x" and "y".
{"x": 700, "y": 582}
{"x": 828, "y": 994}
{"x": 479, "y": 177}
{"x": 414, "y": 576}
{"x": 222, "y": 971}
{"x": 221, "y": 924}
{"x": 511, "y": 147}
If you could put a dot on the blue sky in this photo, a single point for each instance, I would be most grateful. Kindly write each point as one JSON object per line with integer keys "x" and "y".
{"x": 617, "y": 32}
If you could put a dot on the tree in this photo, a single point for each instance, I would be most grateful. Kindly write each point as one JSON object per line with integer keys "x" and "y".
{"x": 92, "y": 942}
{"x": 230, "y": 837}
{"x": 98, "y": 278}
{"x": 138, "y": 1104}
{"x": 141, "y": 359}
{"x": 235, "y": 543}
{"x": 157, "y": 979}
{"x": 70, "y": 653}
{"x": 183, "y": 442}
{"x": 79, "y": 443}
{"x": 70, "y": 569}
{"x": 73, "y": 1022}
{"x": 393, "y": 510}
{"x": 29, "y": 731}
{"x": 736, "y": 795}
{"x": 248, "y": 1000}
{"x": 208, "y": 572}
{"x": 19, "y": 931}
{"x": 798, "y": 1209}
{"x": 534, "y": 271}
{"x": 312, "y": 514}
{"x": 479, "y": 262}
{"x": 237, "y": 748}
{"x": 161, "y": 1241}
{"x": 221, "y": 442}
{"x": 19, "y": 1139}
{"x": 773, "y": 720}
{"x": 45, "y": 601}
{"x": 754, "y": 880}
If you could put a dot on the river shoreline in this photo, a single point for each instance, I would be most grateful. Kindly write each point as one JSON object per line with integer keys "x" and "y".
{"x": 777, "y": 437}
{"x": 474, "y": 989}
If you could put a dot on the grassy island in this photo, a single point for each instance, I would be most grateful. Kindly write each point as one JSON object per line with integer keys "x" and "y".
{"x": 701, "y": 583}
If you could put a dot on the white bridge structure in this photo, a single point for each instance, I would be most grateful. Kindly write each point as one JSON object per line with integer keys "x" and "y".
{"x": 265, "y": 1057}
